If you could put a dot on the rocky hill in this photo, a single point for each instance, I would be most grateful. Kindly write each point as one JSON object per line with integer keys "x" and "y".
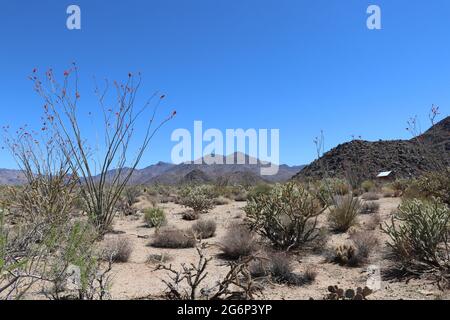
{"x": 406, "y": 158}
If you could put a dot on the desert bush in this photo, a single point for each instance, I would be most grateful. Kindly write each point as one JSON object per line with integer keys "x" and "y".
{"x": 370, "y": 196}
{"x": 131, "y": 194}
{"x": 173, "y": 239}
{"x": 329, "y": 188}
{"x": 344, "y": 214}
{"x": 435, "y": 184}
{"x": 368, "y": 185}
{"x": 238, "y": 242}
{"x": 155, "y": 217}
{"x": 356, "y": 253}
{"x": 220, "y": 201}
{"x": 310, "y": 274}
{"x": 117, "y": 249}
{"x": 281, "y": 266}
{"x": 198, "y": 198}
{"x": 259, "y": 190}
{"x": 364, "y": 243}
{"x": 400, "y": 186}
{"x": 287, "y": 216}
{"x": 418, "y": 234}
{"x": 369, "y": 207}
{"x": 188, "y": 283}
{"x": 158, "y": 258}
{"x": 204, "y": 229}
{"x": 190, "y": 215}
{"x": 388, "y": 192}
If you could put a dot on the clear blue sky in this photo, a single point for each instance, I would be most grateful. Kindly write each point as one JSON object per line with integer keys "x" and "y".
{"x": 297, "y": 65}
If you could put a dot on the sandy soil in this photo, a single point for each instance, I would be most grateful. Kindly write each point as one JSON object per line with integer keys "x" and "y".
{"x": 138, "y": 278}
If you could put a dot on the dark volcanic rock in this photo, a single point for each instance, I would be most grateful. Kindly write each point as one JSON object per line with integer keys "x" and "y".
{"x": 406, "y": 158}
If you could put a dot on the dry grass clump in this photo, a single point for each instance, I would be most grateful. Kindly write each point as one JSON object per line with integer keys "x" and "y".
{"x": 238, "y": 242}
{"x": 117, "y": 249}
{"x": 344, "y": 214}
{"x": 365, "y": 243}
{"x": 204, "y": 229}
{"x": 357, "y": 252}
{"x": 173, "y": 239}
{"x": 220, "y": 201}
{"x": 369, "y": 207}
{"x": 155, "y": 217}
{"x": 156, "y": 258}
{"x": 310, "y": 274}
{"x": 370, "y": 196}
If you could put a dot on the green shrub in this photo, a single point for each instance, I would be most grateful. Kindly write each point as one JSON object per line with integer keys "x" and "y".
{"x": 287, "y": 216}
{"x": 198, "y": 198}
{"x": 368, "y": 185}
{"x": 344, "y": 214}
{"x": 419, "y": 231}
{"x": 258, "y": 190}
{"x": 435, "y": 184}
{"x": 328, "y": 188}
{"x": 131, "y": 194}
{"x": 155, "y": 217}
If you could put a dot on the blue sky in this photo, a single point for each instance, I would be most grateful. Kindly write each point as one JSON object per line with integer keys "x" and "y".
{"x": 300, "y": 66}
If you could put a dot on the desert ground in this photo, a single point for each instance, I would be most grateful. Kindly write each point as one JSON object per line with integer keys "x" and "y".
{"x": 138, "y": 279}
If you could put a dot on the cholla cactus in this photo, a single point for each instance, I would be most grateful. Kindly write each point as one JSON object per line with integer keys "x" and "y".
{"x": 198, "y": 198}
{"x": 287, "y": 215}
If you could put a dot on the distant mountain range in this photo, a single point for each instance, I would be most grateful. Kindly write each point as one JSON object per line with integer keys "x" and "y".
{"x": 405, "y": 158}
{"x": 171, "y": 174}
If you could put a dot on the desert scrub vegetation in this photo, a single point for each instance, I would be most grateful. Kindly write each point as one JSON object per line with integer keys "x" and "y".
{"x": 189, "y": 283}
{"x": 117, "y": 249}
{"x": 287, "y": 216}
{"x": 344, "y": 213}
{"x": 434, "y": 184}
{"x": 51, "y": 255}
{"x": 370, "y": 196}
{"x": 368, "y": 185}
{"x": 238, "y": 242}
{"x": 173, "y": 239}
{"x": 199, "y": 198}
{"x": 369, "y": 207}
{"x": 259, "y": 189}
{"x": 419, "y": 238}
{"x": 155, "y": 217}
{"x": 204, "y": 229}
{"x": 356, "y": 253}
{"x": 327, "y": 189}
{"x": 100, "y": 176}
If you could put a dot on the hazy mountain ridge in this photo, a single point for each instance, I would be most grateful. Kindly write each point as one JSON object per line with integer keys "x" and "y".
{"x": 167, "y": 173}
